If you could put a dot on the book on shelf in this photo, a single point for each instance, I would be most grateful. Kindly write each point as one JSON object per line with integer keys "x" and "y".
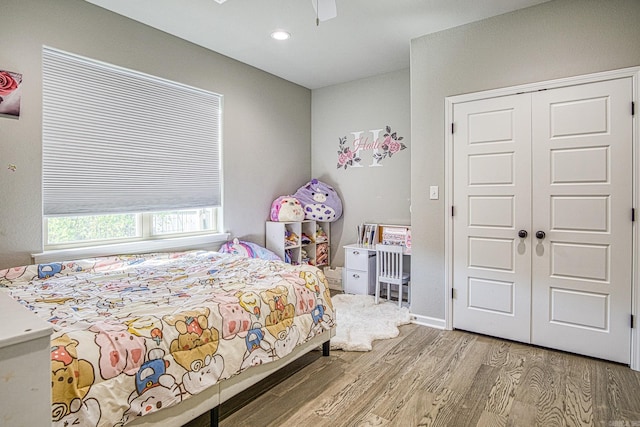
{"x": 367, "y": 234}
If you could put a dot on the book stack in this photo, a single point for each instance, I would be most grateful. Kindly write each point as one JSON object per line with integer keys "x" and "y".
{"x": 367, "y": 234}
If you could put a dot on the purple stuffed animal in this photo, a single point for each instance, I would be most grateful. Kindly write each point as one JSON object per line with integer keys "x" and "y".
{"x": 319, "y": 201}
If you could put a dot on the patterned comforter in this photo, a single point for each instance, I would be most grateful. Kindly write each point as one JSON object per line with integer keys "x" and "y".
{"x": 137, "y": 333}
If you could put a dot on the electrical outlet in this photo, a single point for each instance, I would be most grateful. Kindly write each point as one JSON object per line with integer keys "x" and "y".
{"x": 433, "y": 192}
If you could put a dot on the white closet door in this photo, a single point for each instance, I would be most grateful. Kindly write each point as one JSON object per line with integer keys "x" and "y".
{"x": 492, "y": 184}
{"x": 582, "y": 200}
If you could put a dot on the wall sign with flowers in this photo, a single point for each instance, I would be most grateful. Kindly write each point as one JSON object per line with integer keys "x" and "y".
{"x": 10, "y": 92}
{"x": 381, "y": 147}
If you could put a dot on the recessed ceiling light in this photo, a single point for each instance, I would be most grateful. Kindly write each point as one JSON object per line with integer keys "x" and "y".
{"x": 280, "y": 35}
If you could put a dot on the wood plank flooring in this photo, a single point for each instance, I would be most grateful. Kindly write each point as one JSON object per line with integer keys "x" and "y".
{"x": 428, "y": 377}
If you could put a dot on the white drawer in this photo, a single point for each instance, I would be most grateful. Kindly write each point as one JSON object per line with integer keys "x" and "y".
{"x": 356, "y": 282}
{"x": 356, "y": 259}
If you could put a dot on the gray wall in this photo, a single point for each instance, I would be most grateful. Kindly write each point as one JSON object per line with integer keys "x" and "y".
{"x": 557, "y": 39}
{"x": 267, "y": 120}
{"x": 373, "y": 194}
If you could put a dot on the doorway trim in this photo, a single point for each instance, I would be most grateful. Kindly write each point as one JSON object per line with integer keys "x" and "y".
{"x": 450, "y": 101}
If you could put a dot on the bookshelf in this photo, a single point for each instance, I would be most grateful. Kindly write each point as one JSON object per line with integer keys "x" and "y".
{"x": 300, "y": 242}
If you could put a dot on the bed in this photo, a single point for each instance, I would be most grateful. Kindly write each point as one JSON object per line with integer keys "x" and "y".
{"x": 158, "y": 339}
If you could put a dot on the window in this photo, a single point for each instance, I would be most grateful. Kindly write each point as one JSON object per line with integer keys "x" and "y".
{"x": 126, "y": 155}
{"x": 72, "y": 231}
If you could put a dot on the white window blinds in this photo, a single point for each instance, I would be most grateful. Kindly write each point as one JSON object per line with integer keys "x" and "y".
{"x": 116, "y": 140}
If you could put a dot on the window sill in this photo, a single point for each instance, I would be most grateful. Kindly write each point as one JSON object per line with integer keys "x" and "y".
{"x": 159, "y": 245}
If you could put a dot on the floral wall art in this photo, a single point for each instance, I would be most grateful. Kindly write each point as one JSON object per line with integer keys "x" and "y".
{"x": 10, "y": 93}
{"x": 377, "y": 144}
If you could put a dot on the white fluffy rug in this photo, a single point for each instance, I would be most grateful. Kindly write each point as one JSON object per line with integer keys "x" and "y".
{"x": 360, "y": 321}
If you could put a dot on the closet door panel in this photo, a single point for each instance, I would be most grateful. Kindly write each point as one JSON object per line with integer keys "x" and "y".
{"x": 582, "y": 200}
{"x": 492, "y": 180}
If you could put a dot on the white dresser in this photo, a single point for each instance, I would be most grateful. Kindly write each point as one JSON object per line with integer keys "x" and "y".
{"x": 25, "y": 366}
{"x": 360, "y": 269}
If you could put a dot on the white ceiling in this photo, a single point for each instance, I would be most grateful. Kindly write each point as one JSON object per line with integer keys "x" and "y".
{"x": 368, "y": 37}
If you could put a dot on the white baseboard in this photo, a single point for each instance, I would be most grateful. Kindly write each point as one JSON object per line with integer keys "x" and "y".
{"x": 432, "y": 322}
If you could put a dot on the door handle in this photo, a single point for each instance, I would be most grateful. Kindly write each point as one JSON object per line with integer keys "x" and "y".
{"x": 522, "y": 234}
{"x": 540, "y": 234}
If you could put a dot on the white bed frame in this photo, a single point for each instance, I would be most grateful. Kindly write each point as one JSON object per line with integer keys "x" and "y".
{"x": 210, "y": 399}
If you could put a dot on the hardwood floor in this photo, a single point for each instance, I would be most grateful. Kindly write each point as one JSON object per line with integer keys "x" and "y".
{"x": 428, "y": 377}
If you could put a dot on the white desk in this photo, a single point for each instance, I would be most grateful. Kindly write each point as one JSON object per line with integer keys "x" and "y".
{"x": 360, "y": 269}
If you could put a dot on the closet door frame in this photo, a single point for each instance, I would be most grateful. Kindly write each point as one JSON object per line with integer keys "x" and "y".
{"x": 449, "y": 126}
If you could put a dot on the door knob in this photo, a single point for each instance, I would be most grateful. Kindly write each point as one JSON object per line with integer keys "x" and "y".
{"x": 522, "y": 234}
{"x": 540, "y": 234}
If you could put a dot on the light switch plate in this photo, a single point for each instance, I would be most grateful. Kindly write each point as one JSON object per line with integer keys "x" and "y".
{"x": 433, "y": 192}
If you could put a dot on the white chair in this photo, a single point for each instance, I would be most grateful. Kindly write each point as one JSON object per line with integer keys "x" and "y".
{"x": 389, "y": 271}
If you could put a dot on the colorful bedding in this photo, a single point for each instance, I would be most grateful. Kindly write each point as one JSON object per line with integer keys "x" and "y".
{"x": 137, "y": 333}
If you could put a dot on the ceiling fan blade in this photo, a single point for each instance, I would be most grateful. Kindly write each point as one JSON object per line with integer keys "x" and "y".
{"x": 325, "y": 9}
